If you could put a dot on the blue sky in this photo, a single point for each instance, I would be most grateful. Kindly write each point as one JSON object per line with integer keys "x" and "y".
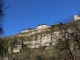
{"x": 23, "y": 14}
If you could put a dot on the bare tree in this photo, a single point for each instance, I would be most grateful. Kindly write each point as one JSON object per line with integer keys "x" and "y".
{"x": 2, "y": 49}
{"x": 66, "y": 35}
{"x": 1, "y": 15}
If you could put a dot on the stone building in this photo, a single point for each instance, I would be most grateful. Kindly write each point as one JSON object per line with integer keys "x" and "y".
{"x": 76, "y": 17}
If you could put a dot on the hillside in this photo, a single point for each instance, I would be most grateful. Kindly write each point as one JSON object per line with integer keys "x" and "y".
{"x": 56, "y": 42}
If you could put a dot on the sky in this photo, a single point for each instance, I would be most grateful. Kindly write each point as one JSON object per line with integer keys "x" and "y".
{"x": 23, "y": 14}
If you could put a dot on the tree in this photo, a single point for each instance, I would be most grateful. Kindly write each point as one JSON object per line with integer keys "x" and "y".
{"x": 66, "y": 35}
{"x": 76, "y": 32}
{"x": 1, "y": 15}
{"x": 23, "y": 38}
{"x": 63, "y": 43}
{"x": 1, "y": 29}
{"x": 3, "y": 47}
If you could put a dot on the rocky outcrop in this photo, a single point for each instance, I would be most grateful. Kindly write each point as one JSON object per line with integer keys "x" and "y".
{"x": 43, "y": 40}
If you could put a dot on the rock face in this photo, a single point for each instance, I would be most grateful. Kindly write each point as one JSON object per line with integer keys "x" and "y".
{"x": 43, "y": 40}
{"x": 42, "y": 35}
{"x": 17, "y": 48}
{"x": 39, "y": 37}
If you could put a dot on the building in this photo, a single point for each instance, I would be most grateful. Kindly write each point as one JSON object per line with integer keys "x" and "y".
{"x": 76, "y": 17}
